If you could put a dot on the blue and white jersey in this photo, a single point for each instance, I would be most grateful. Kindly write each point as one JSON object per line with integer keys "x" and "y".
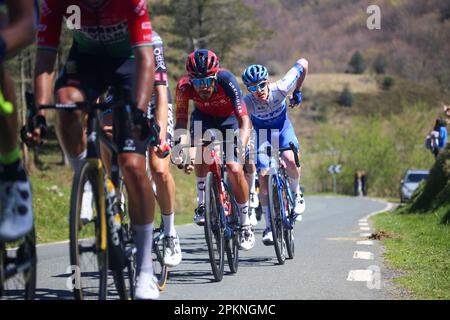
{"x": 272, "y": 113}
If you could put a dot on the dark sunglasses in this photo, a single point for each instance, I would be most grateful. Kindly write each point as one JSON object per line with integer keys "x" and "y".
{"x": 260, "y": 86}
{"x": 202, "y": 82}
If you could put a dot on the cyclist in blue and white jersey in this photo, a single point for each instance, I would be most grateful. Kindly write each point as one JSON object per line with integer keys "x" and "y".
{"x": 267, "y": 107}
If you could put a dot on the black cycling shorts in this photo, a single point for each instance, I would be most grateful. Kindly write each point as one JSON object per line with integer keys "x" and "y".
{"x": 93, "y": 75}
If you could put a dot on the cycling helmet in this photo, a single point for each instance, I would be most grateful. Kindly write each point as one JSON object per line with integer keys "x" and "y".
{"x": 202, "y": 63}
{"x": 255, "y": 73}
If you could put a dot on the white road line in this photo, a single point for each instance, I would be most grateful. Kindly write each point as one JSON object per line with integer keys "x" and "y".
{"x": 365, "y": 228}
{"x": 363, "y": 255}
{"x": 365, "y": 234}
{"x": 365, "y": 243}
{"x": 387, "y": 208}
{"x": 363, "y": 224}
{"x": 363, "y": 220}
{"x": 360, "y": 275}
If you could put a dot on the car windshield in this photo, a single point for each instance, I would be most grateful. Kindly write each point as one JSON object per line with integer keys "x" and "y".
{"x": 416, "y": 177}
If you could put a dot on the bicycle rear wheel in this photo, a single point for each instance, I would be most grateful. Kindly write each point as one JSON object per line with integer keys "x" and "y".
{"x": 124, "y": 279}
{"x": 160, "y": 269}
{"x": 18, "y": 268}
{"x": 276, "y": 220}
{"x": 213, "y": 227}
{"x": 88, "y": 243}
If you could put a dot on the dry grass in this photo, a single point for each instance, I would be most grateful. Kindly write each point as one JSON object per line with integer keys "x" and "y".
{"x": 335, "y": 82}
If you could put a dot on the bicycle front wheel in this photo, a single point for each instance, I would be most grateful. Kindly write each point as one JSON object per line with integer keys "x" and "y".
{"x": 276, "y": 221}
{"x": 160, "y": 269}
{"x": 88, "y": 243}
{"x": 213, "y": 227}
{"x": 232, "y": 241}
{"x": 289, "y": 232}
{"x": 232, "y": 244}
{"x": 18, "y": 268}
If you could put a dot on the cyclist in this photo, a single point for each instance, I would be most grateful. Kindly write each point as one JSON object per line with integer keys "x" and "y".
{"x": 267, "y": 107}
{"x": 17, "y": 30}
{"x": 218, "y": 105}
{"x": 161, "y": 108}
{"x": 111, "y": 47}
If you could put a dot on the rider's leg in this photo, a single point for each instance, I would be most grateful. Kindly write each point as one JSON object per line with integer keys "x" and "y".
{"x": 72, "y": 137}
{"x": 294, "y": 182}
{"x": 8, "y": 123}
{"x": 250, "y": 176}
{"x": 141, "y": 206}
{"x": 69, "y": 126}
{"x": 201, "y": 170}
{"x": 165, "y": 189}
{"x": 292, "y": 171}
{"x": 287, "y": 136}
{"x": 240, "y": 190}
{"x": 16, "y": 216}
{"x": 264, "y": 197}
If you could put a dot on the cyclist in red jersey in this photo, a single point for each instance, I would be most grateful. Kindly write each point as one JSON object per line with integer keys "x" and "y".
{"x": 111, "y": 47}
{"x": 218, "y": 105}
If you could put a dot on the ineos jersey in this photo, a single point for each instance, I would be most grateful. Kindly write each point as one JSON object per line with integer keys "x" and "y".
{"x": 225, "y": 101}
{"x": 272, "y": 113}
{"x": 112, "y": 29}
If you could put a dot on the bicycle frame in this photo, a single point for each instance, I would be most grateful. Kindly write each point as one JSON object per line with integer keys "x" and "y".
{"x": 108, "y": 210}
{"x": 223, "y": 188}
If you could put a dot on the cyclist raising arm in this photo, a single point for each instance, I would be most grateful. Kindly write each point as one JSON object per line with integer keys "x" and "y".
{"x": 266, "y": 104}
{"x": 112, "y": 48}
{"x": 17, "y": 30}
{"x": 218, "y": 105}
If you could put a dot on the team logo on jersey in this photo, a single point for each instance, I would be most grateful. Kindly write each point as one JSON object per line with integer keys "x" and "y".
{"x": 106, "y": 33}
{"x": 141, "y": 8}
{"x": 146, "y": 25}
{"x": 129, "y": 145}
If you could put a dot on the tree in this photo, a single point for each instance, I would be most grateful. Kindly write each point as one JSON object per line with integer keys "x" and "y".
{"x": 357, "y": 65}
{"x": 346, "y": 97}
{"x": 219, "y": 25}
{"x": 380, "y": 64}
{"x": 387, "y": 83}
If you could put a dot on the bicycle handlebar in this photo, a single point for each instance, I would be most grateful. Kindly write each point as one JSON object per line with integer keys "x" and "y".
{"x": 291, "y": 147}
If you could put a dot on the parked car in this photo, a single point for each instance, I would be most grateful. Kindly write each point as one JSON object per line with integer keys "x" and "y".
{"x": 410, "y": 182}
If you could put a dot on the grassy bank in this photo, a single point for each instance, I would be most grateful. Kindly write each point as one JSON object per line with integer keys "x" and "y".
{"x": 419, "y": 246}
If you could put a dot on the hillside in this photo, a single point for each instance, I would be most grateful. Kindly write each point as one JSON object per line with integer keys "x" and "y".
{"x": 382, "y": 132}
{"x": 414, "y": 36}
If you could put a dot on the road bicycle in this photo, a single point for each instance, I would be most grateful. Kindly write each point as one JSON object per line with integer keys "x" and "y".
{"x": 17, "y": 259}
{"x": 104, "y": 242}
{"x": 281, "y": 205}
{"x": 222, "y": 225}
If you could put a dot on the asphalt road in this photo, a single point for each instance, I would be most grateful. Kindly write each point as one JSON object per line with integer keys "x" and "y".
{"x": 330, "y": 261}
